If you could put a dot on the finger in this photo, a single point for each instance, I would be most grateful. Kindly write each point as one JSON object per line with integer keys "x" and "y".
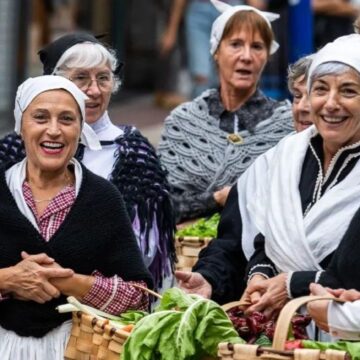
{"x": 350, "y": 295}
{"x": 57, "y": 273}
{"x": 183, "y": 275}
{"x": 38, "y": 258}
{"x": 50, "y": 290}
{"x": 317, "y": 289}
{"x": 255, "y": 297}
{"x": 257, "y": 286}
{"x": 335, "y": 292}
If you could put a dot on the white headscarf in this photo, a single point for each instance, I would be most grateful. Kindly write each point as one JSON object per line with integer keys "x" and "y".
{"x": 343, "y": 50}
{"x": 32, "y": 87}
{"x": 227, "y": 12}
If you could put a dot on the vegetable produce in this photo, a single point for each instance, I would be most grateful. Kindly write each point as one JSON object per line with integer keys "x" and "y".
{"x": 204, "y": 227}
{"x": 182, "y": 327}
{"x": 353, "y": 348}
{"x": 251, "y": 327}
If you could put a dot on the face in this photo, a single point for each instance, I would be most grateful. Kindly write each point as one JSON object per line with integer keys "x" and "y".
{"x": 335, "y": 107}
{"x": 241, "y": 58}
{"x": 97, "y": 83}
{"x": 301, "y": 105}
{"x": 51, "y": 127}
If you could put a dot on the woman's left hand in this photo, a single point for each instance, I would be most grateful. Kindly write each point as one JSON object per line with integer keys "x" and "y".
{"x": 273, "y": 295}
{"x": 318, "y": 310}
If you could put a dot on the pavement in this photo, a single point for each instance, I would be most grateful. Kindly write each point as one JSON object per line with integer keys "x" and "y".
{"x": 136, "y": 109}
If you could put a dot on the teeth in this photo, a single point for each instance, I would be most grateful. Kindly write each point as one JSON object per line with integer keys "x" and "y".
{"x": 52, "y": 145}
{"x": 334, "y": 119}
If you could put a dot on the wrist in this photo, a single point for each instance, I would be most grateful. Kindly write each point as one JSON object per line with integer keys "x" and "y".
{"x": 6, "y": 285}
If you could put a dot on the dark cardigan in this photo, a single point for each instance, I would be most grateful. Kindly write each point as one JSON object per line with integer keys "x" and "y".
{"x": 95, "y": 235}
{"x": 139, "y": 176}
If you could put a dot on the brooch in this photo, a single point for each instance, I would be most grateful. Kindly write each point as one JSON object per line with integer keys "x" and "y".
{"x": 235, "y": 139}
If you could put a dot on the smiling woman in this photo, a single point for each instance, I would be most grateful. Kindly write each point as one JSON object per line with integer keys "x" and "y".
{"x": 51, "y": 244}
{"x": 126, "y": 158}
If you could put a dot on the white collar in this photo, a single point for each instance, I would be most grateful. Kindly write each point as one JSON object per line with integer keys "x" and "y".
{"x": 15, "y": 177}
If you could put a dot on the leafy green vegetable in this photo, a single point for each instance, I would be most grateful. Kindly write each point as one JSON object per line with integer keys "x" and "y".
{"x": 132, "y": 316}
{"x": 183, "y": 327}
{"x": 204, "y": 227}
{"x": 263, "y": 340}
{"x": 353, "y": 348}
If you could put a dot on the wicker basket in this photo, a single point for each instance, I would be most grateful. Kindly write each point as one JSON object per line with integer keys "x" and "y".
{"x": 92, "y": 338}
{"x": 188, "y": 249}
{"x": 229, "y": 351}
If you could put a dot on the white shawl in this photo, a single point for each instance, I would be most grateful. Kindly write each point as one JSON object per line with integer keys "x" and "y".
{"x": 294, "y": 242}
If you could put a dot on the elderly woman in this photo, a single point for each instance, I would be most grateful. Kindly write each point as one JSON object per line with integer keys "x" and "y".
{"x": 209, "y": 142}
{"x": 297, "y": 74}
{"x": 51, "y": 206}
{"x": 219, "y": 273}
{"x": 314, "y": 182}
{"x": 126, "y": 159}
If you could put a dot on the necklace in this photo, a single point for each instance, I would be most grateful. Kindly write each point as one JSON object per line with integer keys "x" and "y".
{"x": 68, "y": 183}
{"x": 42, "y": 200}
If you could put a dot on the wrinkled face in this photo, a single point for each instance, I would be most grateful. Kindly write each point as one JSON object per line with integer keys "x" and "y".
{"x": 51, "y": 127}
{"x": 241, "y": 58}
{"x": 97, "y": 83}
{"x": 335, "y": 107}
{"x": 301, "y": 105}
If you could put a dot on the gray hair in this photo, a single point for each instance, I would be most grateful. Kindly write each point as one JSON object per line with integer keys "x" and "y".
{"x": 88, "y": 55}
{"x": 329, "y": 68}
{"x": 298, "y": 69}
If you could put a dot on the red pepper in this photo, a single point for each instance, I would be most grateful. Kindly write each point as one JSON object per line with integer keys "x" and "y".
{"x": 293, "y": 344}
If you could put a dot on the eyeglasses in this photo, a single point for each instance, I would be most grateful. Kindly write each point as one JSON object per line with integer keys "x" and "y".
{"x": 83, "y": 81}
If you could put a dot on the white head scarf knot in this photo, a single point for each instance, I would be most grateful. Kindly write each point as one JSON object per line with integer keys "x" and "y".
{"x": 343, "y": 50}
{"x": 32, "y": 87}
{"x": 227, "y": 12}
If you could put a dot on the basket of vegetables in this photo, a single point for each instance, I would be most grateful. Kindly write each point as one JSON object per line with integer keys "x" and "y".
{"x": 280, "y": 348}
{"x": 182, "y": 327}
{"x": 192, "y": 238}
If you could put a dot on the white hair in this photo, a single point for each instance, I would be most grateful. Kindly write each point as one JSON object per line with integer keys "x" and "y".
{"x": 330, "y": 68}
{"x": 88, "y": 55}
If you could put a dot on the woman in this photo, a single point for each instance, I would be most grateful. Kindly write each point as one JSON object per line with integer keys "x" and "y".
{"x": 208, "y": 143}
{"x": 314, "y": 182}
{"x": 219, "y": 273}
{"x": 126, "y": 159}
{"x": 51, "y": 207}
{"x": 297, "y": 74}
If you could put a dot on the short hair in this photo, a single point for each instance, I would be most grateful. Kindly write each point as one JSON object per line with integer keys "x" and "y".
{"x": 252, "y": 21}
{"x": 329, "y": 68}
{"x": 298, "y": 69}
{"x": 88, "y": 55}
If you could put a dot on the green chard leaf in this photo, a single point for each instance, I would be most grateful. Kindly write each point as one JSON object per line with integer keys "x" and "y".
{"x": 194, "y": 329}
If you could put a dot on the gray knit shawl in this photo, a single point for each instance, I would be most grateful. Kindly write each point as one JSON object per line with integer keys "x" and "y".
{"x": 198, "y": 155}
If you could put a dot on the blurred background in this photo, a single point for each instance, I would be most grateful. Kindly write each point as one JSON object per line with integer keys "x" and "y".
{"x": 156, "y": 77}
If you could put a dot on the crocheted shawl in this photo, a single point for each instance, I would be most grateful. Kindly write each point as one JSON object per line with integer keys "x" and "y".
{"x": 197, "y": 153}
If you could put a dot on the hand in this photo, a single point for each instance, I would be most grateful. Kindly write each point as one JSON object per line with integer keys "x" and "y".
{"x": 273, "y": 295}
{"x": 193, "y": 283}
{"x": 167, "y": 43}
{"x": 221, "y": 196}
{"x": 318, "y": 310}
{"x": 29, "y": 279}
{"x": 350, "y": 295}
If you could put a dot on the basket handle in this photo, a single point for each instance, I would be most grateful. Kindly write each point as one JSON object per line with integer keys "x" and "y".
{"x": 145, "y": 289}
{"x": 286, "y": 314}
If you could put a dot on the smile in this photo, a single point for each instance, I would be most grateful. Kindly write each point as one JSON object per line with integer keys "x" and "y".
{"x": 92, "y": 106}
{"x": 50, "y": 147}
{"x": 334, "y": 119}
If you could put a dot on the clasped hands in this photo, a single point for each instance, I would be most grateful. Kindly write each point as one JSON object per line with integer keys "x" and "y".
{"x": 33, "y": 278}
